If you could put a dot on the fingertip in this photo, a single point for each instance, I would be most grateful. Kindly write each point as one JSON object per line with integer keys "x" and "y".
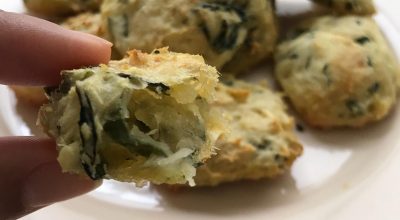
{"x": 76, "y": 50}
{"x": 94, "y": 49}
{"x": 47, "y": 184}
{"x": 38, "y": 50}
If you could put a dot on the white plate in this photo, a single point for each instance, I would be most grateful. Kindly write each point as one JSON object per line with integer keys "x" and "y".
{"x": 343, "y": 174}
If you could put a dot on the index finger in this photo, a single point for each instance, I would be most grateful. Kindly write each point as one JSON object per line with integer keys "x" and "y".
{"x": 34, "y": 51}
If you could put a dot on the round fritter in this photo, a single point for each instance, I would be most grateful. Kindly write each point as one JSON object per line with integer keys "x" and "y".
{"x": 335, "y": 80}
{"x": 232, "y": 35}
{"x": 143, "y": 118}
{"x": 261, "y": 142}
{"x": 56, "y": 8}
{"x": 359, "y": 7}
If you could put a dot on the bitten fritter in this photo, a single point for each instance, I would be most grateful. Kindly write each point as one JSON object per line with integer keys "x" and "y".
{"x": 230, "y": 35}
{"x": 143, "y": 118}
{"x": 58, "y": 8}
{"x": 338, "y": 71}
{"x": 358, "y": 7}
{"x": 261, "y": 142}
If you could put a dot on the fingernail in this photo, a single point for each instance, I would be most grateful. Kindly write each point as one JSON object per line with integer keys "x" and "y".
{"x": 47, "y": 184}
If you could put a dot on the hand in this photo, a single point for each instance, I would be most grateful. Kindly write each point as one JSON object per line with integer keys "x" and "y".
{"x": 32, "y": 52}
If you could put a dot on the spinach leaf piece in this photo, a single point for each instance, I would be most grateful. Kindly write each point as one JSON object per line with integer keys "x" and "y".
{"x": 133, "y": 139}
{"x": 228, "y": 34}
{"x": 91, "y": 160}
{"x": 362, "y": 40}
{"x": 374, "y": 88}
{"x": 354, "y": 108}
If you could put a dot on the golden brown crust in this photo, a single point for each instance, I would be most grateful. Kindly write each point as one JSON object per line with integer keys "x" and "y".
{"x": 86, "y": 22}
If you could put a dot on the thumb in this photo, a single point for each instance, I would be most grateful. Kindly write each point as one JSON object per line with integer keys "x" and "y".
{"x": 34, "y": 51}
{"x": 31, "y": 178}
{"x": 47, "y": 184}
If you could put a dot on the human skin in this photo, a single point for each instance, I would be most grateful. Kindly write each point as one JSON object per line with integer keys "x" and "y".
{"x": 32, "y": 53}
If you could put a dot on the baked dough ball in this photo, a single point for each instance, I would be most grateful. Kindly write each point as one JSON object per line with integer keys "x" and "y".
{"x": 232, "y": 35}
{"x": 55, "y": 8}
{"x": 144, "y": 118}
{"x": 340, "y": 72}
{"x": 359, "y": 7}
{"x": 261, "y": 142}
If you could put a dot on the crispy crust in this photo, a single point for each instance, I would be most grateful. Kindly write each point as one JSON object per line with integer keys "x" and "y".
{"x": 86, "y": 22}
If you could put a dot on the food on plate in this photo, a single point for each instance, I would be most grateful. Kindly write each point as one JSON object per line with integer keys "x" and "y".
{"x": 56, "y": 8}
{"x": 338, "y": 71}
{"x": 32, "y": 95}
{"x": 360, "y": 7}
{"x": 230, "y": 34}
{"x": 261, "y": 142}
{"x": 143, "y": 118}
{"x": 88, "y": 22}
